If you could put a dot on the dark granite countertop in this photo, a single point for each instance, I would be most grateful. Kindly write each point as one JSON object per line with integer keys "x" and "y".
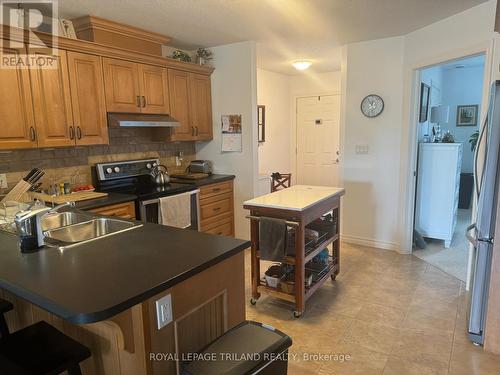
{"x": 112, "y": 198}
{"x": 99, "y": 279}
{"x": 212, "y": 179}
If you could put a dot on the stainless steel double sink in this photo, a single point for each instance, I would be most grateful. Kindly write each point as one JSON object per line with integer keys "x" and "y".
{"x": 71, "y": 228}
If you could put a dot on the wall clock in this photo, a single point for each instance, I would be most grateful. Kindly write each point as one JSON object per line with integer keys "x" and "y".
{"x": 372, "y": 105}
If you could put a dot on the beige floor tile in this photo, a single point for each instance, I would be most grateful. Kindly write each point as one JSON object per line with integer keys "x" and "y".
{"x": 370, "y": 336}
{"x": 471, "y": 360}
{"x": 397, "y": 366}
{"x": 381, "y": 315}
{"x": 428, "y": 348}
{"x": 427, "y": 322}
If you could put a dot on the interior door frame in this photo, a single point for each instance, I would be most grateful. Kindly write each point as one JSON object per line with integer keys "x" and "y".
{"x": 409, "y": 151}
{"x": 293, "y": 137}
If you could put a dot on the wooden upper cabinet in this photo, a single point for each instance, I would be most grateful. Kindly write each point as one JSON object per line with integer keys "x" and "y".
{"x": 17, "y": 125}
{"x": 52, "y": 102}
{"x": 153, "y": 82}
{"x": 201, "y": 106}
{"x": 88, "y": 98}
{"x": 179, "y": 88}
{"x": 121, "y": 80}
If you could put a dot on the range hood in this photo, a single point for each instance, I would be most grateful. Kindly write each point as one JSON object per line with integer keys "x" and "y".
{"x": 142, "y": 120}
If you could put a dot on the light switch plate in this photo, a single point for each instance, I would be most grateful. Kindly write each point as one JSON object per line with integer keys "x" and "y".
{"x": 164, "y": 311}
{"x": 3, "y": 181}
{"x": 362, "y": 149}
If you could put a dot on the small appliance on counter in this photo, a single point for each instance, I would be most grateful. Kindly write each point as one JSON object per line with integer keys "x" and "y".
{"x": 200, "y": 166}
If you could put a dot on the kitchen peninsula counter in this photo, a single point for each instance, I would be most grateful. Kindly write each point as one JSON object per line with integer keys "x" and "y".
{"x": 114, "y": 283}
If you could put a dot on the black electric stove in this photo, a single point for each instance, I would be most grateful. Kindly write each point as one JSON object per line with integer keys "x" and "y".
{"x": 133, "y": 177}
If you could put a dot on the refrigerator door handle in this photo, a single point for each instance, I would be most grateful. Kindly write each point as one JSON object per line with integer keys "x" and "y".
{"x": 472, "y": 239}
{"x": 476, "y": 155}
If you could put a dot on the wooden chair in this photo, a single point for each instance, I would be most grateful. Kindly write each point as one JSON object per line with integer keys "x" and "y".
{"x": 280, "y": 181}
{"x": 39, "y": 349}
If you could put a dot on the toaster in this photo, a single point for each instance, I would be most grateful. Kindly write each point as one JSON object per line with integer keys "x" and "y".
{"x": 200, "y": 166}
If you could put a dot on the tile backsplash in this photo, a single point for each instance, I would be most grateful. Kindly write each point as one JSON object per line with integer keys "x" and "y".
{"x": 73, "y": 163}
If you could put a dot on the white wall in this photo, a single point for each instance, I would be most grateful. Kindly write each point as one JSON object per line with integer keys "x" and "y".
{"x": 273, "y": 91}
{"x": 370, "y": 206}
{"x": 462, "y": 87}
{"x": 312, "y": 83}
{"x": 234, "y": 91}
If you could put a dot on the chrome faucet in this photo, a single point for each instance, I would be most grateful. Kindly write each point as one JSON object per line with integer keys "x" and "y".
{"x": 29, "y": 225}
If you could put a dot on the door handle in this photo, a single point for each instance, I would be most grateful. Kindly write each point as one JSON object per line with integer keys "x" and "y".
{"x": 192, "y": 131}
{"x": 71, "y": 133}
{"x": 138, "y": 101}
{"x": 32, "y": 134}
{"x": 196, "y": 130}
{"x": 143, "y": 101}
{"x": 476, "y": 156}
{"x": 79, "y": 132}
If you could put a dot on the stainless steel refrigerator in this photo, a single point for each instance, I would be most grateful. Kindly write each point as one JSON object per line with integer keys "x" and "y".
{"x": 481, "y": 233}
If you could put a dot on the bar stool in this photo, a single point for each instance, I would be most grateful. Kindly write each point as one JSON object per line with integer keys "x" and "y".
{"x": 280, "y": 181}
{"x": 39, "y": 349}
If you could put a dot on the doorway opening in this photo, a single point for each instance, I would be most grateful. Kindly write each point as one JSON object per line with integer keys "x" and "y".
{"x": 318, "y": 140}
{"x": 449, "y": 111}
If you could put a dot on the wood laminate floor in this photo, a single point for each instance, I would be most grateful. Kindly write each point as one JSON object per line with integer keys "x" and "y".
{"x": 391, "y": 314}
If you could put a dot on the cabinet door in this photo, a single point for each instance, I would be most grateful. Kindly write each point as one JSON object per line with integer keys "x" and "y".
{"x": 87, "y": 96}
{"x": 178, "y": 82}
{"x": 121, "y": 79}
{"x": 52, "y": 102}
{"x": 201, "y": 106}
{"x": 17, "y": 125}
{"x": 154, "y": 89}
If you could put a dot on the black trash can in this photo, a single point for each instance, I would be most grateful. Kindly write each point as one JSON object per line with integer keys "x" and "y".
{"x": 465, "y": 191}
{"x": 248, "y": 348}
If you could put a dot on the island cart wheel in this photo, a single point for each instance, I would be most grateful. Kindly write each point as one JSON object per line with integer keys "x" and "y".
{"x": 253, "y": 301}
{"x": 297, "y": 314}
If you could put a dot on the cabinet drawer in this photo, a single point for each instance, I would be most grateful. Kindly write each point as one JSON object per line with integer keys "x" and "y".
{"x": 219, "y": 207}
{"x": 224, "y": 228}
{"x": 216, "y": 189}
{"x": 123, "y": 210}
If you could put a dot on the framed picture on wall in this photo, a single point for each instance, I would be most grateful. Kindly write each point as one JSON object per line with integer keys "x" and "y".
{"x": 261, "y": 122}
{"x": 425, "y": 93}
{"x": 467, "y": 115}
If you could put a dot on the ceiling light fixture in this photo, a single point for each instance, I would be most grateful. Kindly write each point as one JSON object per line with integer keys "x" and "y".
{"x": 301, "y": 64}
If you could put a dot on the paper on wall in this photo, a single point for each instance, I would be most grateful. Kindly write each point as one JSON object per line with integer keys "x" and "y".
{"x": 231, "y": 133}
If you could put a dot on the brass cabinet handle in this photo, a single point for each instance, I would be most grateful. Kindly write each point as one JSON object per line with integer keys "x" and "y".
{"x": 215, "y": 190}
{"x": 192, "y": 130}
{"x": 216, "y": 208}
{"x": 79, "y": 132}
{"x": 71, "y": 133}
{"x": 196, "y": 130}
{"x": 138, "y": 99}
{"x": 32, "y": 134}
{"x": 143, "y": 101}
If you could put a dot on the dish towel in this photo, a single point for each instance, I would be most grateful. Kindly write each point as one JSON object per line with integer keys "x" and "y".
{"x": 272, "y": 235}
{"x": 175, "y": 211}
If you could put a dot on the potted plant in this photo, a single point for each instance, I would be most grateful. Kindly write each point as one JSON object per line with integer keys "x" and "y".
{"x": 473, "y": 140}
{"x": 203, "y": 56}
{"x": 181, "y": 56}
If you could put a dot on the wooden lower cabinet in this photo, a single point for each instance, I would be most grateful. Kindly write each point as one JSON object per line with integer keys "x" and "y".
{"x": 217, "y": 208}
{"x": 123, "y": 210}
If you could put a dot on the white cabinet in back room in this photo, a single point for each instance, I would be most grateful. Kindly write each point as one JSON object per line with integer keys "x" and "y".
{"x": 438, "y": 181}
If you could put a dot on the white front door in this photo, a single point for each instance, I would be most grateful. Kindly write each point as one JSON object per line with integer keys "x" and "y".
{"x": 318, "y": 134}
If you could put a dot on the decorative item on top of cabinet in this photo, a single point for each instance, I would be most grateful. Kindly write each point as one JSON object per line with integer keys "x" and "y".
{"x": 123, "y": 210}
{"x": 203, "y": 56}
{"x": 191, "y": 105}
{"x": 217, "y": 208}
{"x": 135, "y": 88}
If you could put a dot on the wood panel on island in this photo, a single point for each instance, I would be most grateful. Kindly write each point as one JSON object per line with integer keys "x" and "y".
{"x": 68, "y": 105}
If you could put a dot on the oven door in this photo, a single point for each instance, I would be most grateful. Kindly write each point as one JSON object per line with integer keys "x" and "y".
{"x": 149, "y": 211}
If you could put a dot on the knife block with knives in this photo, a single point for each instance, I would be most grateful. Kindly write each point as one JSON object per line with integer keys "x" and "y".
{"x": 24, "y": 185}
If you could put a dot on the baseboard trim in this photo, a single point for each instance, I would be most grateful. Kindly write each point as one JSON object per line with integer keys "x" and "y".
{"x": 363, "y": 241}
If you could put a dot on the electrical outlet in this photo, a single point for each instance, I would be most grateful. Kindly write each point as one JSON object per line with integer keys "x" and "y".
{"x": 362, "y": 149}
{"x": 3, "y": 181}
{"x": 164, "y": 311}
